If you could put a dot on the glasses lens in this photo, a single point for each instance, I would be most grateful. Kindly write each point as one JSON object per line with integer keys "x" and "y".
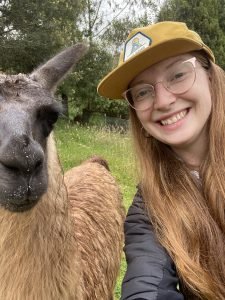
{"x": 180, "y": 78}
{"x": 140, "y": 97}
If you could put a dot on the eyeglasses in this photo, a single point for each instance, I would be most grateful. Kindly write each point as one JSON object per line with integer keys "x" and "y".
{"x": 178, "y": 79}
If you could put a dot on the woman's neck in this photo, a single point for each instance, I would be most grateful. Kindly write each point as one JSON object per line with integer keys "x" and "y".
{"x": 193, "y": 155}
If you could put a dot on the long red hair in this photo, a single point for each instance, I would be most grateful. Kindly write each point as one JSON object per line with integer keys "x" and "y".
{"x": 188, "y": 215}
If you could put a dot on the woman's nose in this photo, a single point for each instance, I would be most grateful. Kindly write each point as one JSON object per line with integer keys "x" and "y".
{"x": 163, "y": 97}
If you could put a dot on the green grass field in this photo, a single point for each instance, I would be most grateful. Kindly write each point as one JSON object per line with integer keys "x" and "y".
{"x": 77, "y": 143}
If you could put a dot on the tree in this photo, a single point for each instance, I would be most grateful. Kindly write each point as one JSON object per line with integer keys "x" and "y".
{"x": 99, "y": 16}
{"x": 81, "y": 88}
{"x": 207, "y": 17}
{"x": 106, "y": 25}
{"x": 31, "y": 31}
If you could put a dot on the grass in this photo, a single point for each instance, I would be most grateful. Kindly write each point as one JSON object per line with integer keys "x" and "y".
{"x": 77, "y": 143}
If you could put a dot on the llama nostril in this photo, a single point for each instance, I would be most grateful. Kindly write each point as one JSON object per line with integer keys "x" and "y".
{"x": 34, "y": 166}
{"x": 11, "y": 168}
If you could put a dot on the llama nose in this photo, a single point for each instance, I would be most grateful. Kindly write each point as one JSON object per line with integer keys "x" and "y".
{"x": 22, "y": 154}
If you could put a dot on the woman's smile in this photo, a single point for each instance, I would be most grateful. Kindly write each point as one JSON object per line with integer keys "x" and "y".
{"x": 175, "y": 124}
{"x": 174, "y": 118}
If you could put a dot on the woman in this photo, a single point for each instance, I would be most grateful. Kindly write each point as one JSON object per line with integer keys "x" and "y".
{"x": 175, "y": 228}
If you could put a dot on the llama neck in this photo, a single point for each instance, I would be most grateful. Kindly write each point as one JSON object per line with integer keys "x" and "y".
{"x": 37, "y": 247}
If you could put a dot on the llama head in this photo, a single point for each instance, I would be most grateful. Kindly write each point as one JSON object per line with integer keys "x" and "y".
{"x": 28, "y": 112}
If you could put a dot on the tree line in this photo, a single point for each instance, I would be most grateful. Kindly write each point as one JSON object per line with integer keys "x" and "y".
{"x": 32, "y": 31}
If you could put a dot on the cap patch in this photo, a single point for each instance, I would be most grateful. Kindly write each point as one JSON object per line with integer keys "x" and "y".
{"x": 135, "y": 44}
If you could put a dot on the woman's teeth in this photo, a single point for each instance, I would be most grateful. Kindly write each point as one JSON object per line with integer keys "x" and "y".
{"x": 174, "y": 118}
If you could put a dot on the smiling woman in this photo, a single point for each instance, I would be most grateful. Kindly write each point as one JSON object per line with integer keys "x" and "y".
{"x": 179, "y": 107}
{"x": 175, "y": 227}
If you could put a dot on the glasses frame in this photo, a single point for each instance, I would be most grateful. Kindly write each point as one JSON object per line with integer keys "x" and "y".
{"x": 192, "y": 60}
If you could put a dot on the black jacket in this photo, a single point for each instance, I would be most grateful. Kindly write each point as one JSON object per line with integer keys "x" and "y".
{"x": 151, "y": 273}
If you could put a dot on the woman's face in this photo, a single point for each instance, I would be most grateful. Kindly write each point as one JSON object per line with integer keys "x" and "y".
{"x": 177, "y": 120}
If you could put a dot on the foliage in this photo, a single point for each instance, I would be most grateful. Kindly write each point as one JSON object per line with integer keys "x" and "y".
{"x": 32, "y": 30}
{"x": 92, "y": 67}
{"x": 106, "y": 25}
{"x": 118, "y": 32}
{"x": 81, "y": 86}
{"x": 113, "y": 108}
{"x": 99, "y": 15}
{"x": 207, "y": 17}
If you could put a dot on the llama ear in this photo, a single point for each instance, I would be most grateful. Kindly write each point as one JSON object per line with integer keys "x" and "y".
{"x": 50, "y": 74}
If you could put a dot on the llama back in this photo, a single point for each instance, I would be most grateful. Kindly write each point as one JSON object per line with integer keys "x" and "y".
{"x": 98, "y": 216}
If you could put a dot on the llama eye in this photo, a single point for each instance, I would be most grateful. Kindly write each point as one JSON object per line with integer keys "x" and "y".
{"x": 52, "y": 117}
{"x": 47, "y": 116}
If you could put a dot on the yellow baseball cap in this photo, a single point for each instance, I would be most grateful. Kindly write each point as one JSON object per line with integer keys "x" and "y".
{"x": 146, "y": 46}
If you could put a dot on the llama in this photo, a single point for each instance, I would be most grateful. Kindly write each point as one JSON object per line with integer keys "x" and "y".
{"x": 61, "y": 236}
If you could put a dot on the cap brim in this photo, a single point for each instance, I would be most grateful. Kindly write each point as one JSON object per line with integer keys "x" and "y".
{"x": 116, "y": 82}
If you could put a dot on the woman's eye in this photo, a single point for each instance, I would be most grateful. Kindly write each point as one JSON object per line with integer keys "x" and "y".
{"x": 142, "y": 94}
{"x": 177, "y": 77}
{"x": 179, "y": 73}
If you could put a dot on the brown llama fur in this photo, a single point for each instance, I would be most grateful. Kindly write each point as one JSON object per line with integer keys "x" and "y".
{"x": 69, "y": 245}
{"x": 60, "y": 249}
{"x": 104, "y": 222}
